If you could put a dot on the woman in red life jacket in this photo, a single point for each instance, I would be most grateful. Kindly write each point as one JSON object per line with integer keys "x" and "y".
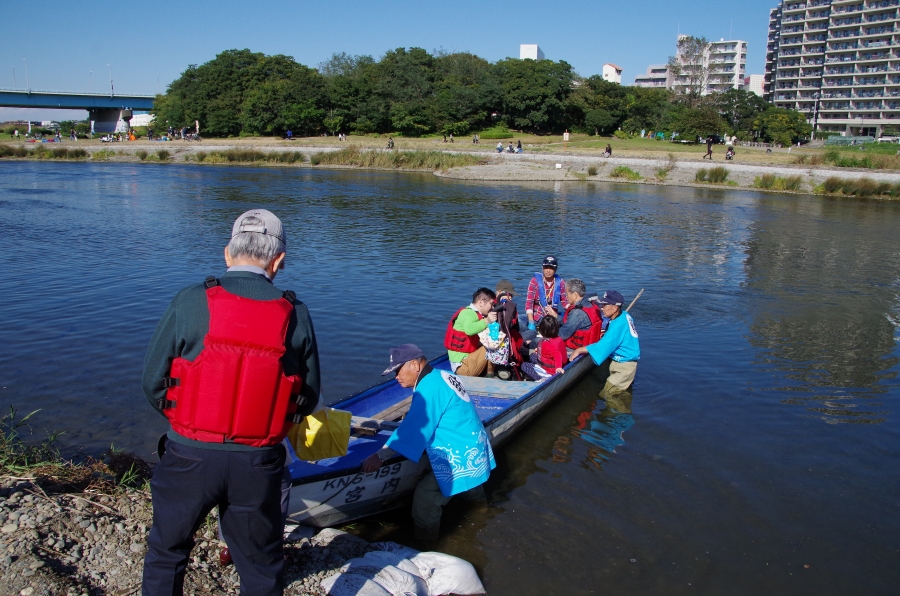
{"x": 550, "y": 356}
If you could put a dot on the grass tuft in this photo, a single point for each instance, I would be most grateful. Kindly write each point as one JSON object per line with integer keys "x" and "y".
{"x": 592, "y": 170}
{"x": 624, "y": 172}
{"x": 162, "y": 155}
{"x": 142, "y": 155}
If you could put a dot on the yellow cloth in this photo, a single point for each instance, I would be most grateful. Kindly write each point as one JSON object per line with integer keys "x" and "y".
{"x": 322, "y": 435}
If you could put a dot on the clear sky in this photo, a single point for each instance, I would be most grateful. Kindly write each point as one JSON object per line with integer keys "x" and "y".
{"x": 148, "y": 45}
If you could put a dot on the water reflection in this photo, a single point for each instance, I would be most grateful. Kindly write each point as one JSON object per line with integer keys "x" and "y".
{"x": 824, "y": 314}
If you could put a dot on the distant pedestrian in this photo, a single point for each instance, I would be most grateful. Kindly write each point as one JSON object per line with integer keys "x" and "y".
{"x": 477, "y": 139}
{"x": 149, "y": 134}
{"x": 709, "y": 144}
{"x": 451, "y": 137}
{"x": 17, "y": 134}
{"x": 499, "y": 146}
{"x": 445, "y": 138}
{"x": 519, "y": 146}
{"x": 474, "y": 139}
{"x": 608, "y": 151}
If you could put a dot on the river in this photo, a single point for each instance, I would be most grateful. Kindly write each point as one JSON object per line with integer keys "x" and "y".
{"x": 761, "y": 454}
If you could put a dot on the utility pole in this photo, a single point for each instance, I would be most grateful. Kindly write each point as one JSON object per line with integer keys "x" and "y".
{"x": 27, "y": 84}
{"x": 111, "y": 88}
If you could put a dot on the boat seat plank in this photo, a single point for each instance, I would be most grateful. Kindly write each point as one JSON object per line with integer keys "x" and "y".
{"x": 370, "y": 426}
{"x": 396, "y": 411}
{"x": 496, "y": 388}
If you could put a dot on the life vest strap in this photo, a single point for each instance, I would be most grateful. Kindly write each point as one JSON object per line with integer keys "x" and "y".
{"x": 171, "y": 382}
{"x": 165, "y": 404}
{"x": 211, "y": 282}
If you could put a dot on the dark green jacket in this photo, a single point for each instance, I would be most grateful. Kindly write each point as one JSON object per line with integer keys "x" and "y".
{"x": 185, "y": 323}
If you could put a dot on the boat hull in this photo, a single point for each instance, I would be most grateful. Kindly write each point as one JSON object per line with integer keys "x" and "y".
{"x": 338, "y": 497}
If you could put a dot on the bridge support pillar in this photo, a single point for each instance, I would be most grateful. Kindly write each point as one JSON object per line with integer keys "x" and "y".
{"x": 105, "y": 119}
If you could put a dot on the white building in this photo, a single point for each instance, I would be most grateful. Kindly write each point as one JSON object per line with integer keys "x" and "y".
{"x": 754, "y": 84}
{"x": 657, "y": 77}
{"x": 530, "y": 51}
{"x": 725, "y": 63}
{"x": 612, "y": 73}
{"x": 835, "y": 60}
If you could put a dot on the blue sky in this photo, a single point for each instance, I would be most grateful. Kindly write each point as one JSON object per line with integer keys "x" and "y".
{"x": 63, "y": 41}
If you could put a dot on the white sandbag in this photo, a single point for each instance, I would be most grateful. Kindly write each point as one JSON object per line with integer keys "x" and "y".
{"x": 356, "y": 574}
{"x": 398, "y": 549}
{"x": 446, "y": 574}
{"x": 349, "y": 584}
{"x": 385, "y": 558}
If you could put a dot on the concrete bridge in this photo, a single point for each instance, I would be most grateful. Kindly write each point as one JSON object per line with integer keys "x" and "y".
{"x": 105, "y": 109}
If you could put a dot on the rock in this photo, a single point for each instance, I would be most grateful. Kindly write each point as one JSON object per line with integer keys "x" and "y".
{"x": 120, "y": 553}
{"x": 36, "y": 565}
{"x": 27, "y": 591}
{"x": 84, "y": 524}
{"x": 9, "y": 528}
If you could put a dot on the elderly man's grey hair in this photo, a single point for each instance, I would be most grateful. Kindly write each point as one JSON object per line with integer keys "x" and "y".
{"x": 577, "y": 286}
{"x": 258, "y": 246}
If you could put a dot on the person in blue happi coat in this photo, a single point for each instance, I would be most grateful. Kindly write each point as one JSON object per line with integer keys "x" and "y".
{"x": 442, "y": 422}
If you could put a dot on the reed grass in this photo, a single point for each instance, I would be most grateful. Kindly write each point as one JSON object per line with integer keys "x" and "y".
{"x": 860, "y": 187}
{"x": 716, "y": 175}
{"x": 162, "y": 155}
{"x": 141, "y": 154}
{"x": 592, "y": 170}
{"x": 103, "y": 154}
{"x": 396, "y": 160}
{"x": 42, "y": 152}
{"x": 773, "y": 182}
{"x": 867, "y": 161}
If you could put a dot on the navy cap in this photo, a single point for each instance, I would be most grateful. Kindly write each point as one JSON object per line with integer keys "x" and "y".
{"x": 401, "y": 355}
{"x": 550, "y": 261}
{"x": 611, "y": 297}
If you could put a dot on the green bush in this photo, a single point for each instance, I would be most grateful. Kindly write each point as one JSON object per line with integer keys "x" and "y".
{"x": 718, "y": 175}
{"x": 620, "y": 134}
{"x": 701, "y": 174}
{"x": 862, "y": 187}
{"x": 592, "y": 170}
{"x": 624, "y": 172}
{"x": 773, "y": 182}
{"x": 10, "y": 151}
{"x": 142, "y": 155}
{"x": 200, "y": 155}
{"x": 162, "y": 155}
{"x": 496, "y": 133}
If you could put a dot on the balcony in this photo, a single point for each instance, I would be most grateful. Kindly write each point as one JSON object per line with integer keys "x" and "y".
{"x": 842, "y": 95}
{"x": 837, "y": 47}
{"x": 877, "y": 30}
{"x": 869, "y": 94}
{"x": 815, "y": 50}
{"x": 814, "y": 61}
{"x": 864, "y": 81}
{"x": 840, "y": 59}
{"x": 867, "y": 105}
{"x": 877, "y": 18}
{"x": 883, "y": 4}
{"x": 816, "y": 26}
{"x": 839, "y": 71}
{"x": 868, "y": 56}
{"x": 843, "y": 34}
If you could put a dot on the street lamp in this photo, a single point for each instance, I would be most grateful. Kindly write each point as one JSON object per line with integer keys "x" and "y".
{"x": 27, "y": 84}
{"x": 111, "y": 89}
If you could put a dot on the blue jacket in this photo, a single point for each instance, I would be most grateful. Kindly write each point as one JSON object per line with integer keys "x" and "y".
{"x": 442, "y": 421}
{"x": 620, "y": 342}
{"x": 576, "y": 320}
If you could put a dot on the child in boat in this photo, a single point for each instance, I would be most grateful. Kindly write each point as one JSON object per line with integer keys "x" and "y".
{"x": 550, "y": 356}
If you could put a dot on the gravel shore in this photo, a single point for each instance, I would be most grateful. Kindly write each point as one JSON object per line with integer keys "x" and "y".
{"x": 87, "y": 544}
{"x": 677, "y": 170}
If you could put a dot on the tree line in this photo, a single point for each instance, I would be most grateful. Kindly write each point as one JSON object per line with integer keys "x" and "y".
{"x": 412, "y": 92}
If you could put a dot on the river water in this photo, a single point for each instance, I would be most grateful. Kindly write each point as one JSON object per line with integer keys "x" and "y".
{"x": 761, "y": 454}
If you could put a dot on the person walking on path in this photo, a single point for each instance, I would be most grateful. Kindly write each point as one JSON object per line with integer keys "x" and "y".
{"x": 620, "y": 344}
{"x": 217, "y": 453}
{"x": 442, "y": 423}
{"x": 709, "y": 144}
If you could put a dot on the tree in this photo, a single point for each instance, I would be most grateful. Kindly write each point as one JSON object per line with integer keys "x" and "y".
{"x": 534, "y": 93}
{"x": 598, "y": 104}
{"x": 691, "y": 123}
{"x": 740, "y": 108}
{"x": 465, "y": 93}
{"x": 601, "y": 121}
{"x": 782, "y": 126}
{"x": 689, "y": 68}
{"x": 646, "y": 109}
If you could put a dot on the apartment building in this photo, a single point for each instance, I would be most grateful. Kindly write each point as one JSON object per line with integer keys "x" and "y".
{"x": 838, "y": 61}
{"x": 724, "y": 63}
{"x": 657, "y": 76}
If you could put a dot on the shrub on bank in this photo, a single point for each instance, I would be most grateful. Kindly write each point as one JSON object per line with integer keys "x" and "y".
{"x": 592, "y": 170}
{"x": 141, "y": 154}
{"x": 42, "y": 152}
{"x": 624, "y": 172}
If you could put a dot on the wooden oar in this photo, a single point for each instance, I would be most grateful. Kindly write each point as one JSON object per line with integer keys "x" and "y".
{"x": 635, "y": 300}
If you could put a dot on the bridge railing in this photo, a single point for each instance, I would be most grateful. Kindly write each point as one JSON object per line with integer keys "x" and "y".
{"x": 85, "y": 93}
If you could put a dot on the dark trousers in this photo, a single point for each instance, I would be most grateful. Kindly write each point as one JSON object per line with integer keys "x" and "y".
{"x": 186, "y": 485}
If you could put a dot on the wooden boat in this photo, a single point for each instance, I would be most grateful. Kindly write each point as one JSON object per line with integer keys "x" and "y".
{"x": 334, "y": 491}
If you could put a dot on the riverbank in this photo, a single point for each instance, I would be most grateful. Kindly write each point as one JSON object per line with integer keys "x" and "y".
{"x": 88, "y": 543}
{"x": 755, "y": 169}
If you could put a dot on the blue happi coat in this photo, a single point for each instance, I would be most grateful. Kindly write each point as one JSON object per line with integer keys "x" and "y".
{"x": 442, "y": 421}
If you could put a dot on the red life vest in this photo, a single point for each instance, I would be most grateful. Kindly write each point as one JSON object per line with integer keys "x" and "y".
{"x": 235, "y": 390}
{"x": 591, "y": 335}
{"x": 551, "y": 345}
{"x": 458, "y": 341}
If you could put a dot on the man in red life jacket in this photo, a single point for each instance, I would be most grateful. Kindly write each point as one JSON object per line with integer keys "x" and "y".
{"x": 233, "y": 364}
{"x": 581, "y": 323}
{"x": 467, "y": 356}
{"x": 546, "y": 292}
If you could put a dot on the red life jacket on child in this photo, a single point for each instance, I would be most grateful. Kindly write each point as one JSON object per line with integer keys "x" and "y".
{"x": 235, "y": 390}
{"x": 458, "y": 341}
{"x": 546, "y": 349}
{"x": 592, "y": 334}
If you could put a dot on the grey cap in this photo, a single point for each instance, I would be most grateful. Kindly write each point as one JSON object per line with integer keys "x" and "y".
{"x": 260, "y": 221}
